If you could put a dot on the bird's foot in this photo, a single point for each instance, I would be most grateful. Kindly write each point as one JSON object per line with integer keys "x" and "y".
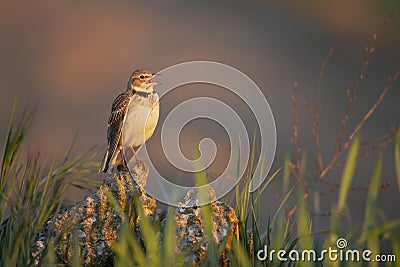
{"x": 122, "y": 167}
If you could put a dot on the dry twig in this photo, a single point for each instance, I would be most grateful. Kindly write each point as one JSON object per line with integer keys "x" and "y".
{"x": 295, "y": 139}
{"x": 339, "y": 149}
{"x": 351, "y": 96}
{"x": 317, "y": 110}
{"x": 366, "y": 116}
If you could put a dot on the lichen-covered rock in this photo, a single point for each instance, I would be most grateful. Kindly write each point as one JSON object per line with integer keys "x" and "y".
{"x": 190, "y": 227}
{"x": 94, "y": 223}
{"x": 92, "y": 226}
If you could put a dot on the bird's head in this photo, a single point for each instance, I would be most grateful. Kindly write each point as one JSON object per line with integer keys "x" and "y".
{"x": 141, "y": 81}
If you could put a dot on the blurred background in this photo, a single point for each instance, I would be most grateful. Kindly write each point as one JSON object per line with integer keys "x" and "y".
{"x": 72, "y": 58}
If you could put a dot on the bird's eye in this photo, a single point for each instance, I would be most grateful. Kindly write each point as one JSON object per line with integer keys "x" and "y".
{"x": 141, "y": 76}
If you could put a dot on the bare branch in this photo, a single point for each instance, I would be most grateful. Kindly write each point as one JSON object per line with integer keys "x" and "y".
{"x": 367, "y": 115}
{"x": 370, "y": 145}
{"x": 317, "y": 110}
{"x": 352, "y": 95}
{"x": 295, "y": 139}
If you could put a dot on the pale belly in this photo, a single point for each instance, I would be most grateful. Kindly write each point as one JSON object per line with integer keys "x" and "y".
{"x": 140, "y": 121}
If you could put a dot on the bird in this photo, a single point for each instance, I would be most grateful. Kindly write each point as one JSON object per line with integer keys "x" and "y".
{"x": 133, "y": 119}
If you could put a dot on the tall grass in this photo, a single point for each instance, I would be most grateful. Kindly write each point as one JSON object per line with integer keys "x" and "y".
{"x": 29, "y": 194}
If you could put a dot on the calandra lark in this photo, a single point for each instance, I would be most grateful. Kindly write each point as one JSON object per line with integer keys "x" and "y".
{"x": 133, "y": 118}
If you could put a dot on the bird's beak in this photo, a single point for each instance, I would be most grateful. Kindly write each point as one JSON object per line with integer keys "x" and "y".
{"x": 152, "y": 84}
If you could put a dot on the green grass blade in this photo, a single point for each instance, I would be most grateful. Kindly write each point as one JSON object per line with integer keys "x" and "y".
{"x": 379, "y": 230}
{"x": 76, "y": 251}
{"x": 396, "y": 244}
{"x": 370, "y": 208}
{"x": 6, "y": 160}
{"x": 168, "y": 243}
{"x": 370, "y": 221}
{"x": 240, "y": 254}
{"x": 261, "y": 190}
{"x": 127, "y": 249}
{"x": 348, "y": 173}
{"x": 281, "y": 206}
{"x": 149, "y": 235}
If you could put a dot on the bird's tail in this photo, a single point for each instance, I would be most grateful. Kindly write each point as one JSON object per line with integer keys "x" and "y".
{"x": 105, "y": 163}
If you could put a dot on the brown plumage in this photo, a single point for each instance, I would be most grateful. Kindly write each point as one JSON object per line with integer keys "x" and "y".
{"x": 139, "y": 91}
{"x": 114, "y": 130}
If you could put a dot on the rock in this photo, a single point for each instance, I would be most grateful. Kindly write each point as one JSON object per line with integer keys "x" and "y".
{"x": 190, "y": 229}
{"x": 94, "y": 223}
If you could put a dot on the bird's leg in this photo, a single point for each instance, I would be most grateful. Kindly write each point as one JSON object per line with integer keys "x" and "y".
{"x": 139, "y": 147}
{"x": 122, "y": 160}
{"x": 135, "y": 153}
{"x": 122, "y": 165}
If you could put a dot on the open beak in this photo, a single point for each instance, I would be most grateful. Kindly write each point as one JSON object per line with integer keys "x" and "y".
{"x": 152, "y": 84}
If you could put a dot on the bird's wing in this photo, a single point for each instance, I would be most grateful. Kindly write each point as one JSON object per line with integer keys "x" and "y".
{"x": 116, "y": 120}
